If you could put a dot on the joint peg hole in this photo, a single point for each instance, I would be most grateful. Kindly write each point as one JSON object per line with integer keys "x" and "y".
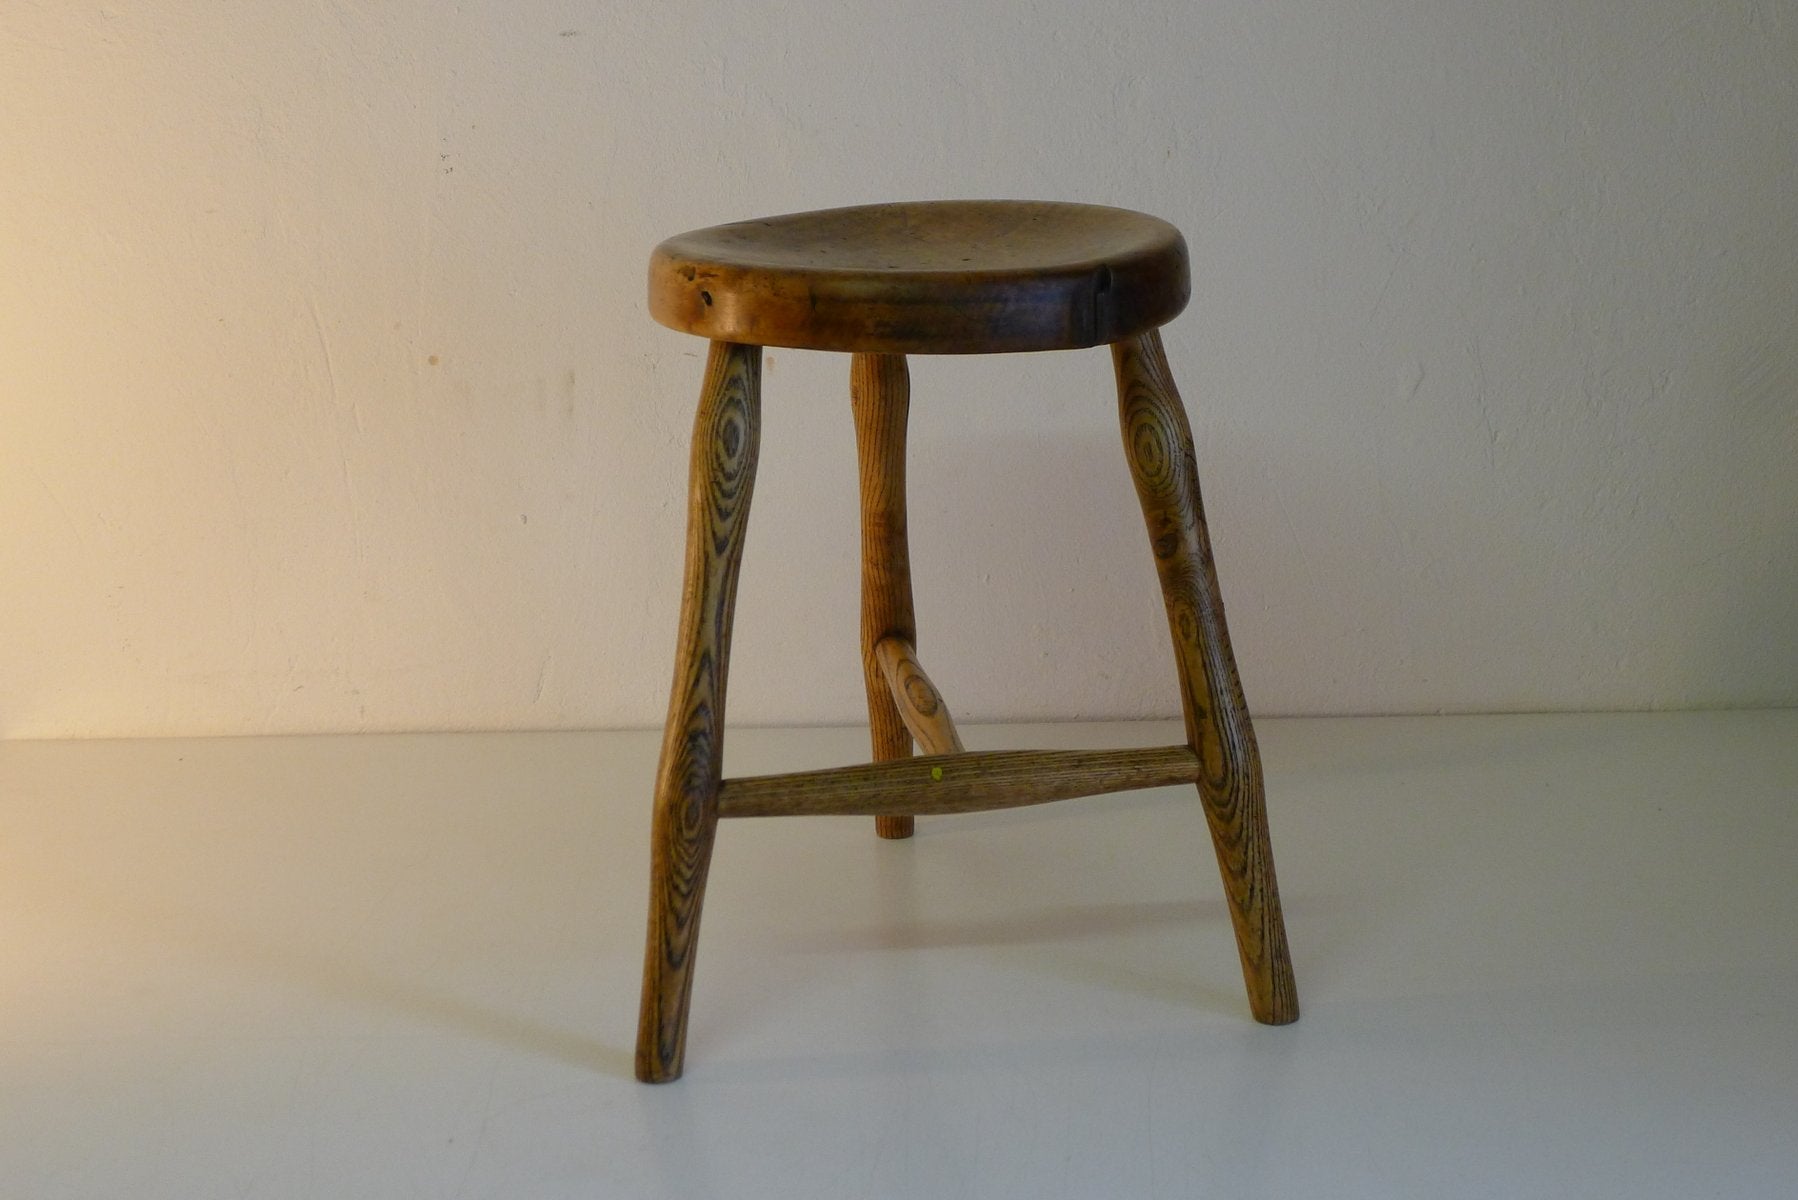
{"x": 707, "y": 297}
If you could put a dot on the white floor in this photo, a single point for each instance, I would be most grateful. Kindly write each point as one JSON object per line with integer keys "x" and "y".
{"x": 1538, "y": 956}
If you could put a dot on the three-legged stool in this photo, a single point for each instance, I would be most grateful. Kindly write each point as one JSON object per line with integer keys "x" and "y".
{"x": 881, "y": 282}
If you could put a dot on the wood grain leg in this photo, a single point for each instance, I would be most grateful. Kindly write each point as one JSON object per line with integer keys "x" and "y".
{"x": 726, "y": 434}
{"x": 880, "y": 393}
{"x": 1158, "y": 442}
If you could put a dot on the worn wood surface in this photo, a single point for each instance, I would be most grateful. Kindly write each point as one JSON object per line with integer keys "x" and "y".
{"x": 956, "y": 783}
{"x": 726, "y": 434}
{"x": 1158, "y": 443}
{"x": 880, "y": 395}
{"x": 920, "y": 705}
{"x": 939, "y": 277}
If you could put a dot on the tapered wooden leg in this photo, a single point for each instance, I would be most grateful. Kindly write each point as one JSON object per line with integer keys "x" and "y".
{"x": 1158, "y": 442}
{"x": 726, "y": 434}
{"x": 880, "y": 392}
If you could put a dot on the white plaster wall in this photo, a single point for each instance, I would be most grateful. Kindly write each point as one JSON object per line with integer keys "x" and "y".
{"x": 328, "y": 400}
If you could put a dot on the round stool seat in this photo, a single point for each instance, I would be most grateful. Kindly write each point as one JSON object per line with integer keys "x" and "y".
{"x": 932, "y": 277}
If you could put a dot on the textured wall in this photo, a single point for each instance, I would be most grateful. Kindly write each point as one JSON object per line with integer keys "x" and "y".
{"x": 328, "y": 401}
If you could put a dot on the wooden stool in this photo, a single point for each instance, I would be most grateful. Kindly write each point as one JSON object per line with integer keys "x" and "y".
{"x": 881, "y": 282}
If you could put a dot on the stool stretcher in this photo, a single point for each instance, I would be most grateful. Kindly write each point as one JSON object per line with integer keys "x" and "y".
{"x": 956, "y": 783}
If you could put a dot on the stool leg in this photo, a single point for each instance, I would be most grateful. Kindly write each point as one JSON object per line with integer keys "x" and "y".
{"x": 880, "y": 393}
{"x": 1158, "y": 442}
{"x": 726, "y": 434}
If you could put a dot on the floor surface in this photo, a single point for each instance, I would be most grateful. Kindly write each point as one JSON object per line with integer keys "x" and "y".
{"x": 1538, "y": 956}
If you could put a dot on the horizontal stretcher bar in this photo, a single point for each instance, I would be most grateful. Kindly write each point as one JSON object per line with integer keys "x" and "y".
{"x": 956, "y": 783}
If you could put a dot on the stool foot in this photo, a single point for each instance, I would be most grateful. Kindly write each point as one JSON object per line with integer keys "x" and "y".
{"x": 880, "y": 394}
{"x": 894, "y": 828}
{"x": 726, "y": 434}
{"x": 1158, "y": 443}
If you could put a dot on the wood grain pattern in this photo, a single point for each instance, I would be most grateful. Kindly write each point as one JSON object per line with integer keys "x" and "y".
{"x": 1158, "y": 442}
{"x": 920, "y": 705}
{"x": 726, "y": 436}
{"x": 880, "y": 395}
{"x": 936, "y": 277}
{"x": 956, "y": 783}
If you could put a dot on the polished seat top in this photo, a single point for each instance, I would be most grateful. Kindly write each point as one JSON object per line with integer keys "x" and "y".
{"x": 930, "y": 277}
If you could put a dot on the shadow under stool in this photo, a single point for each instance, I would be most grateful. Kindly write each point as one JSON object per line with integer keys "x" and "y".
{"x": 948, "y": 277}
